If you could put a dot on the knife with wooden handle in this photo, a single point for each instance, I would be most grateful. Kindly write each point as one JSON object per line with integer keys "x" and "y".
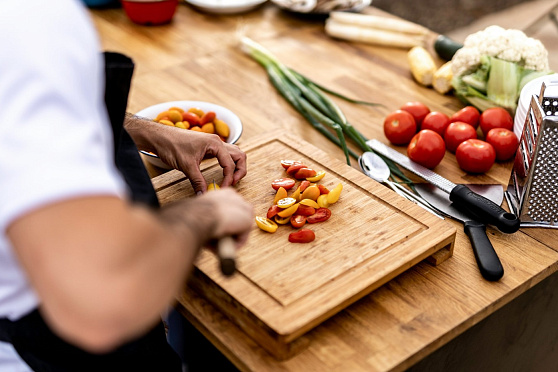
{"x": 226, "y": 251}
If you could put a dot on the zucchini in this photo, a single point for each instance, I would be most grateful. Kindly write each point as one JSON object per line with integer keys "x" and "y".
{"x": 446, "y": 47}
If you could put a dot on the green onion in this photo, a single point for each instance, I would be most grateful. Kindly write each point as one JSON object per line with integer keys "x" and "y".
{"x": 310, "y": 100}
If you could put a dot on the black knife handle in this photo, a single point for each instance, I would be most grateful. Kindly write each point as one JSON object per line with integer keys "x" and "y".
{"x": 483, "y": 209}
{"x": 487, "y": 259}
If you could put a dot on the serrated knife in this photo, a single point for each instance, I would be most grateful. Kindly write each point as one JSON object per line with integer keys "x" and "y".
{"x": 478, "y": 207}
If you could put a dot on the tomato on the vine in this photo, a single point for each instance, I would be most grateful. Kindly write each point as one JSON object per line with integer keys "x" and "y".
{"x": 475, "y": 156}
{"x": 286, "y": 183}
{"x": 427, "y": 148}
{"x": 495, "y": 117}
{"x": 456, "y": 133}
{"x": 302, "y": 236}
{"x": 504, "y": 141}
{"x": 436, "y": 121}
{"x": 419, "y": 111}
{"x": 468, "y": 114}
{"x": 321, "y": 215}
{"x": 400, "y": 127}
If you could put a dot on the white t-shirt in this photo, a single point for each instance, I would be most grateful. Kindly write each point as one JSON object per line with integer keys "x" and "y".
{"x": 55, "y": 136}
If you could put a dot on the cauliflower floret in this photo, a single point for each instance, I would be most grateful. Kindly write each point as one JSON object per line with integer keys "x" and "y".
{"x": 464, "y": 60}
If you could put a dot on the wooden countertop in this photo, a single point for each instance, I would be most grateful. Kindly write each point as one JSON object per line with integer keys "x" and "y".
{"x": 197, "y": 57}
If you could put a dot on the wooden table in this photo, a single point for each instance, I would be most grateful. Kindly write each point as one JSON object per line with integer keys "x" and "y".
{"x": 197, "y": 57}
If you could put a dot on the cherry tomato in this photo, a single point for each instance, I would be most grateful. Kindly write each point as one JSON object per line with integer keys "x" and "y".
{"x": 292, "y": 169}
{"x": 427, "y": 148}
{"x": 319, "y": 175}
{"x": 323, "y": 189}
{"x": 310, "y": 203}
{"x": 286, "y": 202}
{"x": 458, "y": 132}
{"x": 304, "y": 173}
{"x": 468, "y": 114}
{"x": 418, "y": 110}
{"x": 322, "y": 214}
{"x": 286, "y": 183}
{"x": 282, "y": 220}
{"x": 303, "y": 185}
{"x": 400, "y": 127}
{"x": 436, "y": 121}
{"x": 266, "y": 224}
{"x": 504, "y": 141}
{"x": 287, "y": 163}
{"x": 298, "y": 220}
{"x": 302, "y": 236}
{"x": 311, "y": 192}
{"x": 273, "y": 210}
{"x": 475, "y": 156}
{"x": 305, "y": 210}
{"x": 495, "y": 117}
{"x": 333, "y": 195}
{"x": 191, "y": 118}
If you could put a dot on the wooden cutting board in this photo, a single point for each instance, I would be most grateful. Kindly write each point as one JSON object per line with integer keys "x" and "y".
{"x": 282, "y": 289}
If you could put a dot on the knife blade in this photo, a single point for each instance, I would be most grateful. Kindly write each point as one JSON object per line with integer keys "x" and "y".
{"x": 486, "y": 257}
{"x": 464, "y": 199}
{"x": 226, "y": 251}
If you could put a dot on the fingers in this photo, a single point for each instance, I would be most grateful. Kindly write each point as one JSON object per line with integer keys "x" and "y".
{"x": 197, "y": 180}
{"x": 239, "y": 158}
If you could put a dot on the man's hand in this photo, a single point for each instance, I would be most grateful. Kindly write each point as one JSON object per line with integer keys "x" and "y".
{"x": 184, "y": 150}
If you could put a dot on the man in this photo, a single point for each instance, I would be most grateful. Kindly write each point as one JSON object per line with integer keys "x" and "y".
{"x": 84, "y": 272}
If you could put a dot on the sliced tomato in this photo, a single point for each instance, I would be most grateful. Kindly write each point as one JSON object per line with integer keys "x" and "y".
{"x": 302, "y": 236}
{"x": 282, "y": 220}
{"x": 286, "y": 183}
{"x": 273, "y": 210}
{"x": 287, "y": 163}
{"x": 323, "y": 189}
{"x": 319, "y": 175}
{"x": 291, "y": 171}
{"x": 266, "y": 224}
{"x": 303, "y": 185}
{"x": 298, "y": 220}
{"x": 321, "y": 215}
{"x": 303, "y": 173}
{"x": 305, "y": 210}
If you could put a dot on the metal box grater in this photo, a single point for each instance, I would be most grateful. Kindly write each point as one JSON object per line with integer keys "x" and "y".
{"x": 533, "y": 186}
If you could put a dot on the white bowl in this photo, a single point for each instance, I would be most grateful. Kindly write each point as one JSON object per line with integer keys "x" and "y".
{"x": 225, "y": 6}
{"x": 222, "y": 113}
{"x": 322, "y": 6}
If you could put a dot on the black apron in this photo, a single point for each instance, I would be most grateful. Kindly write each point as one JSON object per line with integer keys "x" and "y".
{"x": 36, "y": 344}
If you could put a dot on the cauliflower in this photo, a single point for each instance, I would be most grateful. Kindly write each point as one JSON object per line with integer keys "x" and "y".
{"x": 494, "y": 65}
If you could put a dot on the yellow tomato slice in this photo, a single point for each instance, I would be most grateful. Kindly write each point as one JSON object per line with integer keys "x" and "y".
{"x": 280, "y": 194}
{"x": 287, "y": 212}
{"x": 334, "y": 194}
{"x": 212, "y": 186}
{"x": 310, "y": 203}
{"x": 296, "y": 194}
{"x": 266, "y": 224}
{"x": 311, "y": 192}
{"x": 282, "y": 220}
{"x": 322, "y": 201}
{"x": 317, "y": 177}
{"x": 286, "y": 202}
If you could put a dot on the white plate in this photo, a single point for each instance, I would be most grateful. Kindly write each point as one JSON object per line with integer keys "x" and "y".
{"x": 233, "y": 121}
{"x": 225, "y": 6}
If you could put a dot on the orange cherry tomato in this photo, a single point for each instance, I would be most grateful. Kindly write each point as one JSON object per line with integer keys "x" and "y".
{"x": 286, "y": 183}
{"x": 266, "y": 224}
{"x": 298, "y": 220}
{"x": 302, "y": 236}
{"x": 208, "y": 117}
{"x": 311, "y": 192}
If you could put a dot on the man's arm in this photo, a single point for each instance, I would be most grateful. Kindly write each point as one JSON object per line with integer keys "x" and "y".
{"x": 105, "y": 270}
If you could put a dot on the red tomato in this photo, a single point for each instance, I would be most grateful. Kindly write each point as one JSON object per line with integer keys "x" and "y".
{"x": 322, "y": 214}
{"x": 291, "y": 170}
{"x": 418, "y": 110}
{"x": 456, "y": 133}
{"x": 287, "y": 163}
{"x": 400, "y": 127}
{"x": 504, "y": 141}
{"x": 303, "y": 173}
{"x": 495, "y": 117}
{"x": 468, "y": 114}
{"x": 436, "y": 121}
{"x": 323, "y": 189}
{"x": 305, "y": 210}
{"x": 303, "y": 185}
{"x": 286, "y": 183}
{"x": 273, "y": 210}
{"x": 302, "y": 236}
{"x": 475, "y": 156}
{"x": 298, "y": 220}
{"x": 427, "y": 148}
{"x": 191, "y": 118}
{"x": 208, "y": 117}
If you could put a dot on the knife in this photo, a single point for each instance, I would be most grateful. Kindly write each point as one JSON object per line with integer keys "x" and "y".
{"x": 464, "y": 199}
{"x": 487, "y": 260}
{"x": 226, "y": 251}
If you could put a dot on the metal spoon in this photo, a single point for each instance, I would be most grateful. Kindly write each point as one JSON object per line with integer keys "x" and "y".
{"x": 376, "y": 168}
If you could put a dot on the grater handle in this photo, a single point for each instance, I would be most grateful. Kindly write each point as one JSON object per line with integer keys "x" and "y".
{"x": 483, "y": 209}
{"x": 487, "y": 260}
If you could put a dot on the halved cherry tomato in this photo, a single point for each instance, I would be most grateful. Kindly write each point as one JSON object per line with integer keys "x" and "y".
{"x": 322, "y": 201}
{"x": 287, "y": 163}
{"x": 311, "y": 192}
{"x": 291, "y": 170}
{"x": 303, "y": 185}
{"x": 310, "y": 203}
{"x": 272, "y": 211}
{"x": 191, "y": 118}
{"x": 468, "y": 114}
{"x": 334, "y": 194}
{"x": 302, "y": 236}
{"x": 286, "y": 202}
{"x": 298, "y": 220}
{"x": 282, "y": 220}
{"x": 296, "y": 194}
{"x": 287, "y": 212}
{"x": 322, "y": 214}
{"x": 266, "y": 224}
{"x": 303, "y": 173}
{"x": 286, "y": 183}
{"x": 323, "y": 189}
{"x": 319, "y": 175}
{"x": 280, "y": 194}
{"x": 305, "y": 210}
